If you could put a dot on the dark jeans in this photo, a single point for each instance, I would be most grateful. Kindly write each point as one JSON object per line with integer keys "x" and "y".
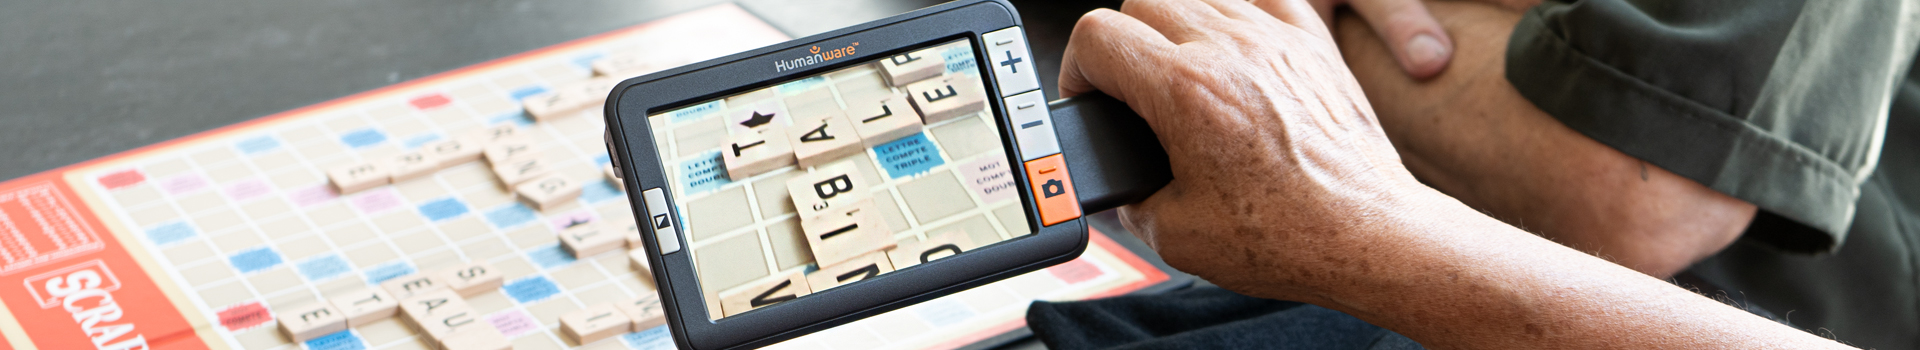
{"x": 1203, "y": 318}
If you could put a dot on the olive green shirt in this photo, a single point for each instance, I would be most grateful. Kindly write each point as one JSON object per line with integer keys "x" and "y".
{"x": 1803, "y": 108}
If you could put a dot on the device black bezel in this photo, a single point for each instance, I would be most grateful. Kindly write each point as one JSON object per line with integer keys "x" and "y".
{"x": 681, "y": 295}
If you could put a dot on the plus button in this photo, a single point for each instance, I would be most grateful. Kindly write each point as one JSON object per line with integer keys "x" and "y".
{"x": 1011, "y": 62}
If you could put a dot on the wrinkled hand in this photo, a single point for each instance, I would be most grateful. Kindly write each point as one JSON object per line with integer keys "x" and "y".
{"x": 1421, "y": 46}
{"x": 1281, "y": 172}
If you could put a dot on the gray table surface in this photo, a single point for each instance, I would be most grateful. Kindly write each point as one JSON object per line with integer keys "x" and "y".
{"x": 88, "y": 78}
{"x": 84, "y": 79}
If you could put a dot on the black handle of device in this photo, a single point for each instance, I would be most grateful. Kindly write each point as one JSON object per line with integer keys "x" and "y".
{"x": 1112, "y": 155}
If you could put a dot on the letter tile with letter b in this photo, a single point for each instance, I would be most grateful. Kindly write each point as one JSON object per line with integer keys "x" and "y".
{"x": 827, "y": 188}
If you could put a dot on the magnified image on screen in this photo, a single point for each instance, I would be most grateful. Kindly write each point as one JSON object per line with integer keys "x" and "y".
{"x": 837, "y": 178}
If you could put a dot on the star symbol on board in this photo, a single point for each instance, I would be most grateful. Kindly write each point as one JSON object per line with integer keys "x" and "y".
{"x": 757, "y": 119}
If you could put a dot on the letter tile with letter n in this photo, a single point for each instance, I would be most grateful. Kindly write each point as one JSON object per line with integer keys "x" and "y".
{"x": 940, "y": 100}
{"x": 763, "y": 292}
{"x": 853, "y": 270}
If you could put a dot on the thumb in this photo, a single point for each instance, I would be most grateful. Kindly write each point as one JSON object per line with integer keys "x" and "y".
{"x": 1422, "y": 47}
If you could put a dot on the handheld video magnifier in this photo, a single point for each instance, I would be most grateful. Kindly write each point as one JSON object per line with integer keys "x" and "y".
{"x": 887, "y": 163}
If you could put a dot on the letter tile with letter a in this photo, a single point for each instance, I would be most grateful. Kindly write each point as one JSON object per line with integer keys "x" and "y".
{"x": 823, "y": 140}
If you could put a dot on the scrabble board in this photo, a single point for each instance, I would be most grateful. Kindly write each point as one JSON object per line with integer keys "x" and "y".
{"x": 243, "y": 237}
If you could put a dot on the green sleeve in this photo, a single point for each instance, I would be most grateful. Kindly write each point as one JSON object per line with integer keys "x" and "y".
{"x": 1781, "y": 103}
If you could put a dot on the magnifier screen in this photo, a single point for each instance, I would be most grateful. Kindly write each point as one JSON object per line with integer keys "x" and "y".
{"x": 801, "y": 186}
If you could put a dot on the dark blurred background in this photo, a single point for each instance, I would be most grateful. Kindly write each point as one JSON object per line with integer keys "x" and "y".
{"x": 89, "y": 78}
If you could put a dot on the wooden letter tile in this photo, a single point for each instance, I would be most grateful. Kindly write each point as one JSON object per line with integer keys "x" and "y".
{"x": 842, "y": 236}
{"x": 366, "y": 306}
{"x": 935, "y": 247}
{"x": 551, "y": 191}
{"x": 600, "y": 321}
{"x": 472, "y": 279}
{"x": 359, "y": 177}
{"x": 494, "y": 134}
{"x": 638, "y": 258}
{"x": 412, "y": 165}
{"x": 631, "y": 232}
{"x": 645, "y": 311}
{"x": 585, "y": 240}
{"x": 570, "y": 99}
{"x": 753, "y": 152}
{"x": 823, "y": 140}
{"x": 454, "y": 152}
{"x": 408, "y": 286}
{"x": 476, "y": 338}
{"x": 519, "y": 171}
{"x": 910, "y": 67}
{"x": 880, "y": 122}
{"x": 509, "y": 151}
{"x": 853, "y": 270}
{"x": 440, "y": 313}
{"x": 763, "y": 292}
{"x": 312, "y": 321}
{"x": 613, "y": 176}
{"x": 827, "y": 188}
{"x": 939, "y": 100}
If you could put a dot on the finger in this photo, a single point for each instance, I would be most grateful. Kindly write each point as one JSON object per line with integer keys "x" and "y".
{"x": 1299, "y": 13}
{"x": 1180, "y": 21}
{"x": 1110, "y": 51}
{"x": 1422, "y": 47}
{"x": 1238, "y": 9}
